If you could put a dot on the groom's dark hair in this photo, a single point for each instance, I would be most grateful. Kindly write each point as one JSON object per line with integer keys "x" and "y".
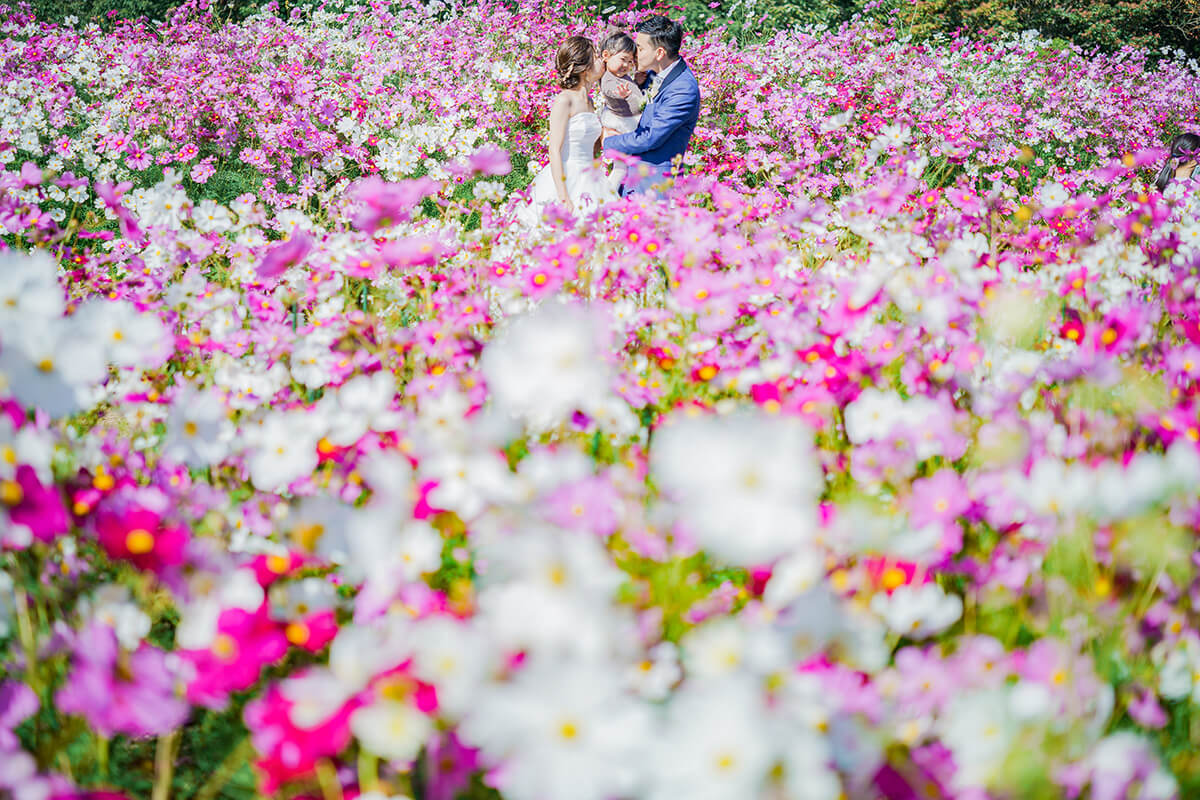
{"x": 663, "y": 32}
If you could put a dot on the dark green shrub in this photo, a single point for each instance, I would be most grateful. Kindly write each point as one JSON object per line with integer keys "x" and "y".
{"x": 1100, "y": 24}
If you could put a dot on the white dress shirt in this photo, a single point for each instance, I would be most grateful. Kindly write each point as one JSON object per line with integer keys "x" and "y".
{"x": 659, "y": 77}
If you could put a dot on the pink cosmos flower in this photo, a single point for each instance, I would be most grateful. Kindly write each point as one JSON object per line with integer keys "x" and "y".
{"x": 288, "y": 751}
{"x": 490, "y": 160}
{"x": 203, "y": 170}
{"x": 269, "y": 568}
{"x": 245, "y": 643}
{"x": 313, "y": 632}
{"x": 118, "y": 691}
{"x": 131, "y": 525}
{"x": 449, "y": 765}
{"x": 413, "y": 251}
{"x": 17, "y": 704}
{"x": 285, "y": 255}
{"x": 34, "y": 506}
{"x": 940, "y": 498}
{"x": 137, "y": 158}
{"x": 588, "y": 505}
{"x": 1146, "y": 711}
{"x": 111, "y": 195}
{"x": 384, "y": 204}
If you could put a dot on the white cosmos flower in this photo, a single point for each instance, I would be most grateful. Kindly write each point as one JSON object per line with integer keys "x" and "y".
{"x": 453, "y": 656}
{"x": 316, "y": 695}
{"x": 979, "y": 729}
{"x": 874, "y": 413}
{"x": 165, "y": 205}
{"x": 390, "y": 475}
{"x": 199, "y": 432}
{"x": 466, "y": 482}
{"x": 360, "y": 652}
{"x": 210, "y": 216}
{"x": 746, "y": 484}
{"x": 715, "y": 744}
{"x": 1123, "y": 758}
{"x": 653, "y": 677}
{"x": 918, "y": 612}
{"x": 1179, "y": 675}
{"x": 726, "y": 645}
{"x": 547, "y": 590}
{"x": 389, "y": 552}
{"x": 284, "y": 450}
{"x": 50, "y": 365}
{"x": 208, "y": 595}
{"x": 561, "y": 729}
{"x": 360, "y": 404}
{"x": 796, "y": 574}
{"x": 391, "y": 728}
{"x": 1053, "y": 194}
{"x": 130, "y": 337}
{"x": 111, "y": 604}
{"x": 312, "y": 360}
{"x": 546, "y": 364}
{"x": 292, "y": 600}
{"x": 29, "y": 287}
{"x": 27, "y": 446}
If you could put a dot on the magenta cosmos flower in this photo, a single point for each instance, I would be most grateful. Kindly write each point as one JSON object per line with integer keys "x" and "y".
{"x": 131, "y": 526}
{"x": 119, "y": 691}
{"x": 384, "y": 204}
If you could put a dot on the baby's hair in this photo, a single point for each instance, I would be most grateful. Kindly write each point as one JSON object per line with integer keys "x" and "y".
{"x": 574, "y": 58}
{"x": 618, "y": 42}
{"x": 1184, "y": 148}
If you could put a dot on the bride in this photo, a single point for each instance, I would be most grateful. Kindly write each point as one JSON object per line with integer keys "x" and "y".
{"x": 575, "y": 177}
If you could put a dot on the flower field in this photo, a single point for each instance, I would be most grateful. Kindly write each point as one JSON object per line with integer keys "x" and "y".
{"x": 866, "y": 467}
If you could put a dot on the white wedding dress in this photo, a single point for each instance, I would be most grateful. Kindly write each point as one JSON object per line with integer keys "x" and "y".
{"x": 587, "y": 184}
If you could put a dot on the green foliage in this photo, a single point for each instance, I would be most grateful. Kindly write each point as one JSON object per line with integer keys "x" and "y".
{"x": 154, "y": 10}
{"x": 228, "y": 183}
{"x": 751, "y": 20}
{"x": 1106, "y": 25}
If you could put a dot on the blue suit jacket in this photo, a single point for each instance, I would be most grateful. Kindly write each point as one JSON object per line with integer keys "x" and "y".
{"x": 662, "y": 133}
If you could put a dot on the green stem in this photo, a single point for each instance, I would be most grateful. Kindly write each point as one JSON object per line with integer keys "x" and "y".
{"x": 102, "y": 756}
{"x": 164, "y": 765}
{"x": 368, "y": 772}
{"x": 232, "y": 763}
{"x": 28, "y": 640}
{"x": 331, "y": 789}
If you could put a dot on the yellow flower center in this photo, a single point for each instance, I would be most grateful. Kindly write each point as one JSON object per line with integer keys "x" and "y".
{"x": 297, "y": 633}
{"x": 139, "y": 541}
{"x": 11, "y": 493}
{"x": 893, "y": 577}
{"x": 225, "y": 647}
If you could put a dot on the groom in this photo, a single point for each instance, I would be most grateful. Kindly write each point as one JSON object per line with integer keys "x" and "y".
{"x": 670, "y": 115}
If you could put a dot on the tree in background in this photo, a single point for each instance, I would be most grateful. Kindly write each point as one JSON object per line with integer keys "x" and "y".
{"x": 1103, "y": 24}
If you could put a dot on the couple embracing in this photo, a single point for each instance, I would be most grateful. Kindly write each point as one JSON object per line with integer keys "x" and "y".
{"x": 651, "y": 104}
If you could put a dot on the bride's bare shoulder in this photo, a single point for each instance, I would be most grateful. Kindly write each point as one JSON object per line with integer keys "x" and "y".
{"x": 564, "y": 101}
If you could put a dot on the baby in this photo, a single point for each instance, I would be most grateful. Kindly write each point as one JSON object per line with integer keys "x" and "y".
{"x": 623, "y": 100}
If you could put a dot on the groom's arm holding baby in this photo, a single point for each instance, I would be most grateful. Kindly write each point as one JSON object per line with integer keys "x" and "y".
{"x": 670, "y": 112}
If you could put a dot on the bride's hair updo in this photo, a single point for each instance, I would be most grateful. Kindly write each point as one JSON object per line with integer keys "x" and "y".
{"x": 575, "y": 57}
